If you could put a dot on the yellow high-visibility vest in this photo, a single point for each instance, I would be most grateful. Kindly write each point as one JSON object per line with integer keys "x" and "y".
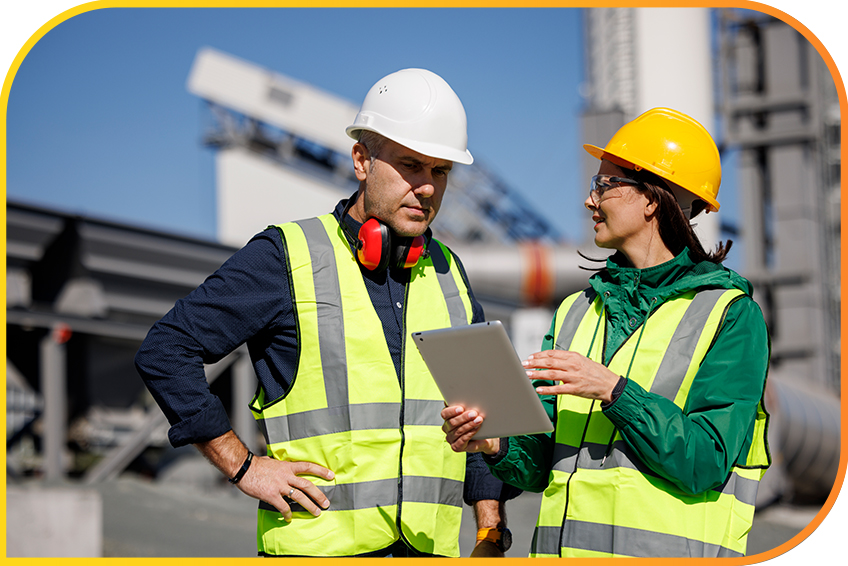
{"x": 602, "y": 500}
{"x": 395, "y": 475}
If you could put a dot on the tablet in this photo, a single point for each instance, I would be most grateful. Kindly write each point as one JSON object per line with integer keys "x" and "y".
{"x": 476, "y": 366}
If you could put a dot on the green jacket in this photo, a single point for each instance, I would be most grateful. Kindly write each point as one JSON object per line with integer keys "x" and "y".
{"x": 694, "y": 449}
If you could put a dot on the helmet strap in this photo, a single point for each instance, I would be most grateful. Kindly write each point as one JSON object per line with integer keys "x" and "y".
{"x": 685, "y": 199}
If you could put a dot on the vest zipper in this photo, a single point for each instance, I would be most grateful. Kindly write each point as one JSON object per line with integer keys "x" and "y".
{"x": 609, "y": 446}
{"x": 585, "y": 427}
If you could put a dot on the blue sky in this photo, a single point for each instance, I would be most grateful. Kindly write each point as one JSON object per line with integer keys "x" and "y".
{"x": 100, "y": 121}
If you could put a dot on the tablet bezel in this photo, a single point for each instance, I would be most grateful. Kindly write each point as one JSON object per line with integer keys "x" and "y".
{"x": 476, "y": 366}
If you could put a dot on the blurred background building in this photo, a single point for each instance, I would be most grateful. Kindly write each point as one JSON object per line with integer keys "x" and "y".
{"x": 82, "y": 292}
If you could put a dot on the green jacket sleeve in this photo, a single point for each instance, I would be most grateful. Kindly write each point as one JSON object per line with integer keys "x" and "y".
{"x": 527, "y": 461}
{"x": 695, "y": 448}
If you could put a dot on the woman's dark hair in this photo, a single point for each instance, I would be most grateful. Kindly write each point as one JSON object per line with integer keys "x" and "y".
{"x": 675, "y": 230}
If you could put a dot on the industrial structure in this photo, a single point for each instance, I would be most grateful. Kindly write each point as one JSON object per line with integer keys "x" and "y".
{"x": 624, "y": 76}
{"x": 779, "y": 114}
{"x": 282, "y": 142}
{"x": 82, "y": 292}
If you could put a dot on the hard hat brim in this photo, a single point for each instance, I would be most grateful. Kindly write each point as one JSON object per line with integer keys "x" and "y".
{"x": 601, "y": 153}
{"x": 435, "y": 151}
{"x": 594, "y": 150}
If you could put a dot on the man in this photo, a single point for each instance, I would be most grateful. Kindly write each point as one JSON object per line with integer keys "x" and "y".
{"x": 356, "y": 463}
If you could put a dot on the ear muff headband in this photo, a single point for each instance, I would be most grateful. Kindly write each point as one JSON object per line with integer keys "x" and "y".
{"x": 410, "y": 252}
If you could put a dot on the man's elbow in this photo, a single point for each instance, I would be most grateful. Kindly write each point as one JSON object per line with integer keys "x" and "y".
{"x": 142, "y": 361}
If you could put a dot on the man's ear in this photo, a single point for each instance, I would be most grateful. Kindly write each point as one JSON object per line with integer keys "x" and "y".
{"x": 361, "y": 161}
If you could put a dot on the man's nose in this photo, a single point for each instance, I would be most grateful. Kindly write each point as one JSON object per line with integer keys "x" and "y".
{"x": 425, "y": 185}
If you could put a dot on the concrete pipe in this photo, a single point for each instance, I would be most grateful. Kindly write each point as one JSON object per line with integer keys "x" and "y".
{"x": 806, "y": 436}
{"x": 523, "y": 275}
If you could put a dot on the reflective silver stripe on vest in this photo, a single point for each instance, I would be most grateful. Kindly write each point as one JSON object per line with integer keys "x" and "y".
{"x": 568, "y": 458}
{"x": 423, "y": 412}
{"x": 382, "y": 493}
{"x": 425, "y": 489}
{"x": 456, "y": 309}
{"x": 667, "y": 382}
{"x": 616, "y": 540}
{"x": 676, "y": 360}
{"x": 744, "y": 489}
{"x": 573, "y": 318}
{"x": 365, "y": 416}
{"x": 591, "y": 455}
{"x": 672, "y": 368}
{"x": 325, "y": 277}
{"x": 351, "y": 496}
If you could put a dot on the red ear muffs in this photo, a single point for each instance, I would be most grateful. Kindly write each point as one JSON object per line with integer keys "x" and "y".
{"x": 409, "y": 252}
{"x": 374, "y": 240}
{"x": 375, "y": 251}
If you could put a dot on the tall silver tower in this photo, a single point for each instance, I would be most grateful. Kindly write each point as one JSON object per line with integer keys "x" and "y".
{"x": 641, "y": 58}
{"x": 770, "y": 103}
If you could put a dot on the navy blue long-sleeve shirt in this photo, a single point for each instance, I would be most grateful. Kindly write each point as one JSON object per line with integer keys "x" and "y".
{"x": 248, "y": 300}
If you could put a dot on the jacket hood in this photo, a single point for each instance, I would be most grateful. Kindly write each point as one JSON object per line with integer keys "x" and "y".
{"x": 630, "y": 295}
{"x": 668, "y": 279}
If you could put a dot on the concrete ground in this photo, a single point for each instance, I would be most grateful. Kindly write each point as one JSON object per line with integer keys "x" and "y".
{"x": 154, "y": 519}
{"x": 190, "y": 513}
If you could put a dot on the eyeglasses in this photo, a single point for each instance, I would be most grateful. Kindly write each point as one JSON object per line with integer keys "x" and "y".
{"x": 602, "y": 183}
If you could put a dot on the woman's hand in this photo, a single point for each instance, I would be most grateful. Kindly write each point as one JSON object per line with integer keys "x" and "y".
{"x": 577, "y": 374}
{"x": 461, "y": 426}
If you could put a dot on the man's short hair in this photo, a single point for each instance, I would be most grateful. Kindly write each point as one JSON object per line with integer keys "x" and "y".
{"x": 373, "y": 141}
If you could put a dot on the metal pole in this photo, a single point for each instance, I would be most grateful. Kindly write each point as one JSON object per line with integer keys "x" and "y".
{"x": 53, "y": 387}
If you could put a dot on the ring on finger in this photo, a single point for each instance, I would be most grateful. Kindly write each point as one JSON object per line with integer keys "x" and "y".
{"x": 290, "y": 493}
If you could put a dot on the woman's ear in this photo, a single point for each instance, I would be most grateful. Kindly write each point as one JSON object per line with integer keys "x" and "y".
{"x": 650, "y": 209}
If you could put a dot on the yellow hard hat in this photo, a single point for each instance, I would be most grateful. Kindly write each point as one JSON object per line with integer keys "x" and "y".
{"x": 671, "y": 145}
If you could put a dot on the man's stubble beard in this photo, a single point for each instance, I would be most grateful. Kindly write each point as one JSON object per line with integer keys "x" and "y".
{"x": 386, "y": 211}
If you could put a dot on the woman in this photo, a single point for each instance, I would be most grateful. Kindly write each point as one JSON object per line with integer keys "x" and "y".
{"x": 653, "y": 376}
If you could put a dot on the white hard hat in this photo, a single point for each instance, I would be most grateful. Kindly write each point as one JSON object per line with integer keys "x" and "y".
{"x": 417, "y": 109}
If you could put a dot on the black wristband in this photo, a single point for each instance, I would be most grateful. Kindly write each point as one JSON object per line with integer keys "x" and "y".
{"x": 499, "y": 455}
{"x": 237, "y": 478}
{"x": 616, "y": 392}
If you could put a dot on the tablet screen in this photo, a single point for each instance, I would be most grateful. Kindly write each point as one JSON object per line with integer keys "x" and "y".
{"x": 476, "y": 366}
